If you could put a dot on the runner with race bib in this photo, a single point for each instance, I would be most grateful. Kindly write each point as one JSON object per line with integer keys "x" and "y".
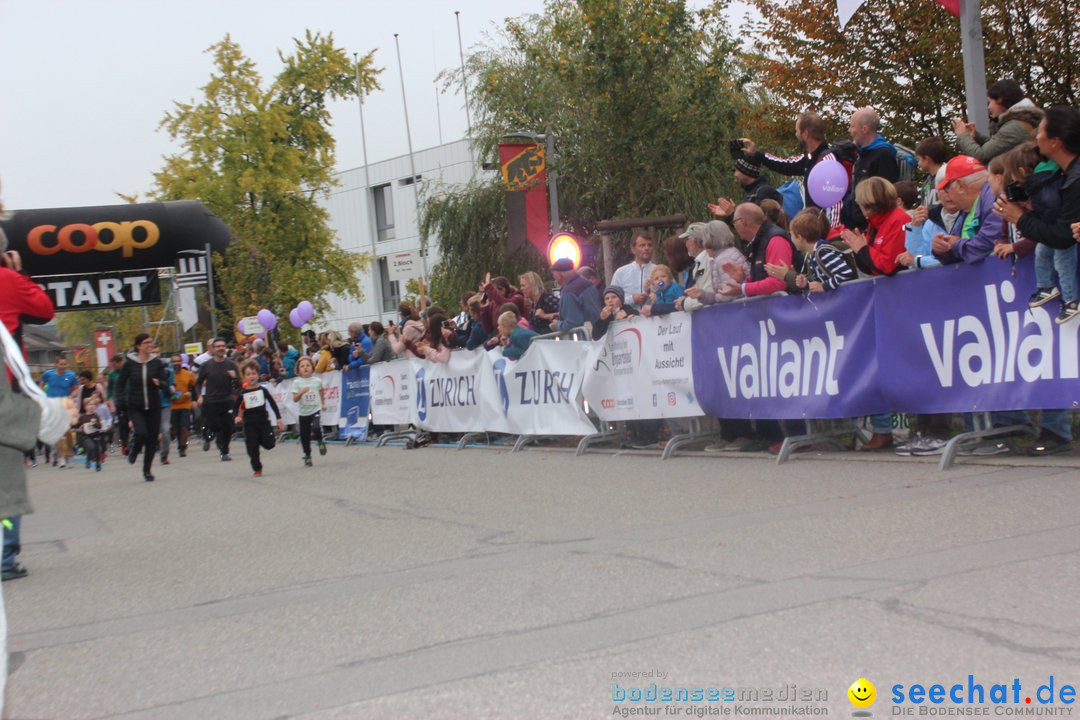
{"x": 308, "y": 393}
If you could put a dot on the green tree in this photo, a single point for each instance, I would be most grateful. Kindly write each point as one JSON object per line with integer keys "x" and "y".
{"x": 643, "y": 97}
{"x": 903, "y": 57}
{"x": 260, "y": 158}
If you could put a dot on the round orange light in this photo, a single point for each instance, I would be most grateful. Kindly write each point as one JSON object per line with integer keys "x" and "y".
{"x": 564, "y": 245}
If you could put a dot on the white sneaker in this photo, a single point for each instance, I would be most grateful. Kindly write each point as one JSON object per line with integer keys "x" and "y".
{"x": 63, "y": 464}
{"x": 907, "y": 449}
{"x": 929, "y": 446}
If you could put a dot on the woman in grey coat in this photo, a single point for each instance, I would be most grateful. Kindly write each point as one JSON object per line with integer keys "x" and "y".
{"x": 1014, "y": 120}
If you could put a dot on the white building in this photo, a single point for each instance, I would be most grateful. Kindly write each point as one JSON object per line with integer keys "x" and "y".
{"x": 383, "y": 223}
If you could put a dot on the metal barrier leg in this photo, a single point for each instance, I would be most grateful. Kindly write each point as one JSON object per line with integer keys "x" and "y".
{"x": 521, "y": 441}
{"x": 614, "y": 433}
{"x": 793, "y": 443}
{"x": 696, "y": 434}
{"x": 398, "y": 435}
{"x": 983, "y": 429}
{"x": 469, "y": 437}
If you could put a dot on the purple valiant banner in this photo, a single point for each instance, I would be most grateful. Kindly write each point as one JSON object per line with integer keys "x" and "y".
{"x": 789, "y": 357}
{"x": 962, "y": 338}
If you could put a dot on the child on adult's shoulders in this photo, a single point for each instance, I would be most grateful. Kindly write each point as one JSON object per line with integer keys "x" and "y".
{"x": 663, "y": 292}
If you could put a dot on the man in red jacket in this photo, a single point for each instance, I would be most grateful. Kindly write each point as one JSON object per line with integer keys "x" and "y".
{"x": 21, "y": 299}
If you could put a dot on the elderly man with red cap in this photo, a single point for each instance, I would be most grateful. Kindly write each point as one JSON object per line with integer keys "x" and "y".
{"x": 966, "y": 181}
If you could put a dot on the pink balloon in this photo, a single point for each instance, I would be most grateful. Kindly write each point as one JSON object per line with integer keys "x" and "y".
{"x": 827, "y": 183}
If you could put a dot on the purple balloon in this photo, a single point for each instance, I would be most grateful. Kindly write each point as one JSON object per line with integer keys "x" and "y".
{"x": 295, "y": 319}
{"x": 827, "y": 183}
{"x": 307, "y": 310}
{"x": 240, "y": 327}
{"x": 267, "y": 319}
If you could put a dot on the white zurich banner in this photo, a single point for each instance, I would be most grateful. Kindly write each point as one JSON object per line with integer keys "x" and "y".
{"x": 541, "y": 393}
{"x": 459, "y": 395}
{"x": 282, "y": 394}
{"x": 642, "y": 369}
{"x": 392, "y": 385}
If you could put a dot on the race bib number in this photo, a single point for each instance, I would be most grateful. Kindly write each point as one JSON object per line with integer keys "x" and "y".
{"x": 253, "y": 400}
{"x": 310, "y": 397}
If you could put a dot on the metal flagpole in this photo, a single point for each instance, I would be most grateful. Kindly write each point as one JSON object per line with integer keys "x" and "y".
{"x": 553, "y": 185}
{"x": 412, "y": 159}
{"x": 435, "y": 84}
{"x": 464, "y": 79}
{"x": 376, "y": 277}
{"x": 971, "y": 40}
{"x": 213, "y": 303}
{"x": 465, "y": 88}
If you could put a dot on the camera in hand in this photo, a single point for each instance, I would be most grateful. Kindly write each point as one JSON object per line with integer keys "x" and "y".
{"x": 1016, "y": 192}
{"x": 735, "y": 147}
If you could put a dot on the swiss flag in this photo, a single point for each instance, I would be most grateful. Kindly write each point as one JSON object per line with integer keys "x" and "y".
{"x": 103, "y": 346}
{"x": 952, "y": 6}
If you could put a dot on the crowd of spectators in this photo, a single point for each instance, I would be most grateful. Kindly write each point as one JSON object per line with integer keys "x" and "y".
{"x": 1012, "y": 193}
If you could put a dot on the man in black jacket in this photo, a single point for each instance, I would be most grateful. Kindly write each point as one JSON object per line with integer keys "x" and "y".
{"x": 217, "y": 383}
{"x": 810, "y": 133}
{"x": 877, "y": 158}
{"x": 754, "y": 188}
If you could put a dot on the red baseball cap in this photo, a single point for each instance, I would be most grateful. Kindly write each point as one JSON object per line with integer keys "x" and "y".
{"x": 960, "y": 167}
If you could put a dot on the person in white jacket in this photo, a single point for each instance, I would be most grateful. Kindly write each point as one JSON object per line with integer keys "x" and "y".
{"x": 719, "y": 245}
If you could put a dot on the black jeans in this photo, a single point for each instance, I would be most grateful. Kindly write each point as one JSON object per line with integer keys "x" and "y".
{"x": 94, "y": 446}
{"x": 218, "y": 418}
{"x": 308, "y": 425}
{"x": 120, "y": 422}
{"x": 145, "y": 425}
{"x": 256, "y": 435}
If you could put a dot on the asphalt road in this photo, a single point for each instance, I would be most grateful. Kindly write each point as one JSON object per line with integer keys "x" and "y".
{"x": 385, "y": 583}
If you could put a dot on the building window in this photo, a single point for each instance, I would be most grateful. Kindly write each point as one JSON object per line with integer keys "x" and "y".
{"x": 384, "y": 211}
{"x": 391, "y": 289}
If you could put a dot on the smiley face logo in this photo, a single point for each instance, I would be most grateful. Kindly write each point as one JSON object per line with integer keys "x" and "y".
{"x": 862, "y": 693}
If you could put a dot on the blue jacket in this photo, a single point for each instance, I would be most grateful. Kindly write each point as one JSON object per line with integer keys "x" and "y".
{"x": 365, "y": 347}
{"x": 167, "y": 391}
{"x": 518, "y": 342}
{"x": 477, "y": 336}
{"x": 288, "y": 362}
{"x": 579, "y": 302}
{"x": 920, "y": 243}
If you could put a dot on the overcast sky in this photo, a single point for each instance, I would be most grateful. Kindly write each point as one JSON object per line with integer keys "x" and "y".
{"x": 86, "y": 82}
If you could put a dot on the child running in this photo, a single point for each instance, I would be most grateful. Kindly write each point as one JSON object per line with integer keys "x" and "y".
{"x": 309, "y": 394}
{"x": 92, "y": 433}
{"x": 251, "y": 411}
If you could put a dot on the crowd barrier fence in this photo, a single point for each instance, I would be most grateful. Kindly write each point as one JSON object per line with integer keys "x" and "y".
{"x": 953, "y": 339}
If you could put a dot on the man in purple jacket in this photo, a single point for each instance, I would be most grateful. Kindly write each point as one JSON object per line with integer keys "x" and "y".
{"x": 966, "y": 180}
